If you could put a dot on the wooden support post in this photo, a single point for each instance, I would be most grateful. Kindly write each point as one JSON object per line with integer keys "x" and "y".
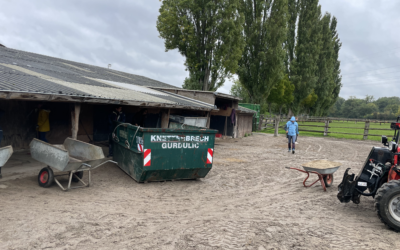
{"x": 326, "y": 128}
{"x": 277, "y": 119}
{"x": 208, "y": 119}
{"x": 75, "y": 120}
{"x": 366, "y": 130}
{"x": 226, "y": 126}
{"x": 165, "y": 118}
{"x": 259, "y": 122}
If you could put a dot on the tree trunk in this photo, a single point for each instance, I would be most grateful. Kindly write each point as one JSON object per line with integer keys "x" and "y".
{"x": 290, "y": 112}
{"x": 269, "y": 109}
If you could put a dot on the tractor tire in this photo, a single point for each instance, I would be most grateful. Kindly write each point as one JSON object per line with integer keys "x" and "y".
{"x": 328, "y": 180}
{"x": 46, "y": 177}
{"x": 387, "y": 204}
{"x": 79, "y": 174}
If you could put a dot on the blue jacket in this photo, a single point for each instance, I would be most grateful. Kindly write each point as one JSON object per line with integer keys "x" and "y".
{"x": 292, "y": 127}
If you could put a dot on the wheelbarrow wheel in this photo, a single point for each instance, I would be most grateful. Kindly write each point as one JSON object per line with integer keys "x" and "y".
{"x": 79, "y": 174}
{"x": 328, "y": 180}
{"x": 46, "y": 177}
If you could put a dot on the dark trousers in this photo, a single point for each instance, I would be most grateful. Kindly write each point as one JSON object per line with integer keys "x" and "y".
{"x": 291, "y": 142}
{"x": 42, "y": 136}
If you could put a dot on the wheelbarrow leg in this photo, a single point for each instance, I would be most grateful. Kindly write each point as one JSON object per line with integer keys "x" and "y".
{"x": 90, "y": 178}
{"x": 320, "y": 178}
{"x": 79, "y": 179}
{"x": 59, "y": 184}
{"x": 70, "y": 179}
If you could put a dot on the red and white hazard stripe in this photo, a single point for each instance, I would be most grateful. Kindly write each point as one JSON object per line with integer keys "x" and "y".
{"x": 140, "y": 147}
{"x": 210, "y": 152}
{"x": 147, "y": 158}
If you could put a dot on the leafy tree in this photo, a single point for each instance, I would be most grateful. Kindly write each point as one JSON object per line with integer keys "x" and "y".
{"x": 238, "y": 90}
{"x": 325, "y": 84}
{"x": 366, "y": 109}
{"x": 304, "y": 67}
{"x": 369, "y": 98}
{"x": 262, "y": 62}
{"x": 293, "y": 12}
{"x": 281, "y": 94}
{"x": 329, "y": 80}
{"x": 208, "y": 34}
{"x": 310, "y": 100}
{"x": 383, "y": 102}
{"x": 392, "y": 108}
{"x": 350, "y": 106}
{"x": 337, "y": 78}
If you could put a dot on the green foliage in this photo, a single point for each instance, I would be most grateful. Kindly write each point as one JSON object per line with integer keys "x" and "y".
{"x": 262, "y": 63}
{"x": 385, "y": 108}
{"x": 238, "y": 90}
{"x": 208, "y": 34}
{"x": 304, "y": 67}
{"x": 282, "y": 93}
{"x": 310, "y": 100}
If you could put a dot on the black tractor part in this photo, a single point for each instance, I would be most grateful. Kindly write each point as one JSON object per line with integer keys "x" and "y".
{"x": 370, "y": 177}
{"x": 387, "y": 204}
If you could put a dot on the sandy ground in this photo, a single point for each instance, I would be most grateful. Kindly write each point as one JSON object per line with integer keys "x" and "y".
{"x": 248, "y": 201}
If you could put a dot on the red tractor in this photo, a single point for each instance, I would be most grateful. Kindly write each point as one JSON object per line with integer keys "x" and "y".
{"x": 379, "y": 178}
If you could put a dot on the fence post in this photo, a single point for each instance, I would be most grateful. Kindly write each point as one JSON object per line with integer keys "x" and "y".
{"x": 326, "y": 127}
{"x": 366, "y": 129}
{"x": 276, "y": 126}
{"x": 259, "y": 122}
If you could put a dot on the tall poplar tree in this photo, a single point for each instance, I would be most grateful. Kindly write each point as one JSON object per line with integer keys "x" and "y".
{"x": 293, "y": 12}
{"x": 265, "y": 31}
{"x": 337, "y": 78}
{"x": 325, "y": 84}
{"x": 208, "y": 34}
{"x": 304, "y": 67}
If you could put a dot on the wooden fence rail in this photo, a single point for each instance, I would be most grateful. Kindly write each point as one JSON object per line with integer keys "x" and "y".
{"x": 268, "y": 123}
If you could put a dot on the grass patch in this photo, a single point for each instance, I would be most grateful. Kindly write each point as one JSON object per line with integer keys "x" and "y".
{"x": 357, "y": 128}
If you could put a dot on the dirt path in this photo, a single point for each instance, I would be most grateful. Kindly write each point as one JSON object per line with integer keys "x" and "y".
{"x": 248, "y": 201}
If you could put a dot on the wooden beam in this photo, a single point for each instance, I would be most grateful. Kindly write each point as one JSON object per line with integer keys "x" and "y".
{"x": 165, "y": 118}
{"x": 75, "y": 120}
{"x": 208, "y": 119}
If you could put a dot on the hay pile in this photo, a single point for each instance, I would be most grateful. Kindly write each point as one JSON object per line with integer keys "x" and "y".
{"x": 321, "y": 164}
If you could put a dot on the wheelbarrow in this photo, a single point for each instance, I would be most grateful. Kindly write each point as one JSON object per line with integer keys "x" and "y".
{"x": 73, "y": 157}
{"x": 5, "y": 154}
{"x": 325, "y": 175}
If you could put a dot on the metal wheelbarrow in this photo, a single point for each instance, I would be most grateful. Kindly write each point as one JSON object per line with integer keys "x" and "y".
{"x": 73, "y": 157}
{"x": 5, "y": 154}
{"x": 325, "y": 175}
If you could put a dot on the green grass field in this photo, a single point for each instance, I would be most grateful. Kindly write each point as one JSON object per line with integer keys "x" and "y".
{"x": 357, "y": 128}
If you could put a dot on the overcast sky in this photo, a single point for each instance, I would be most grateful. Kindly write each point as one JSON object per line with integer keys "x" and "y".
{"x": 124, "y": 34}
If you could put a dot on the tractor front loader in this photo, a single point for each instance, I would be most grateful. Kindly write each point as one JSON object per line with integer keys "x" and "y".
{"x": 379, "y": 178}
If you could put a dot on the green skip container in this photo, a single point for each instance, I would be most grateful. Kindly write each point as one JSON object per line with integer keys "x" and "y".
{"x": 155, "y": 154}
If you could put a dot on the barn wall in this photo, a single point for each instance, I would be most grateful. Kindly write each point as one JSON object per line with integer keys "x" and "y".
{"x": 245, "y": 123}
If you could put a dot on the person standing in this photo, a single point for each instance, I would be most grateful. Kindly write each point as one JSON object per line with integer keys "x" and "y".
{"x": 115, "y": 116}
{"x": 292, "y": 130}
{"x": 43, "y": 124}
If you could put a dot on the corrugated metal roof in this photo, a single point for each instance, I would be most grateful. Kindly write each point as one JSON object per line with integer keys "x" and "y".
{"x": 246, "y": 110}
{"x": 32, "y": 73}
